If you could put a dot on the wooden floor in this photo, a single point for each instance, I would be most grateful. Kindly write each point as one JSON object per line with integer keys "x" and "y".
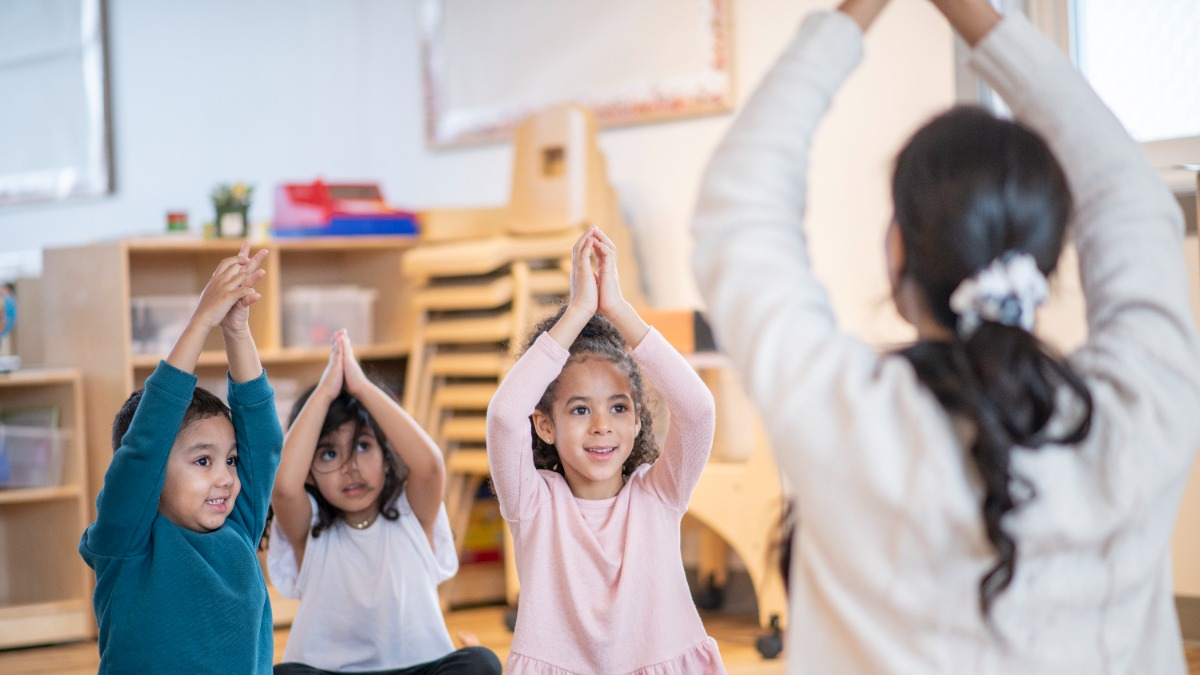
{"x": 735, "y": 634}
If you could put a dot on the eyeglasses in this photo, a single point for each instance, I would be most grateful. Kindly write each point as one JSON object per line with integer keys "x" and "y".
{"x": 329, "y": 459}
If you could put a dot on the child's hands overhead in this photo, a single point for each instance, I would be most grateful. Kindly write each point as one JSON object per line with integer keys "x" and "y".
{"x": 225, "y": 302}
{"x": 356, "y": 379}
{"x": 249, "y": 271}
{"x": 608, "y": 280}
{"x": 596, "y": 289}
{"x": 231, "y": 285}
{"x": 330, "y": 384}
{"x": 612, "y": 304}
{"x": 585, "y": 290}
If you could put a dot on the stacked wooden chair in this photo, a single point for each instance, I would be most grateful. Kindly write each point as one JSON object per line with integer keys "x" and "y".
{"x": 484, "y": 277}
{"x": 739, "y": 500}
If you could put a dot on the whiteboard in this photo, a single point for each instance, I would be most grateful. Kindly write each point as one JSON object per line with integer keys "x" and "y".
{"x": 54, "y": 137}
{"x": 487, "y": 64}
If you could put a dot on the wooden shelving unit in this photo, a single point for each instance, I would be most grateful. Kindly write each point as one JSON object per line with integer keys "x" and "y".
{"x": 45, "y": 587}
{"x": 87, "y": 292}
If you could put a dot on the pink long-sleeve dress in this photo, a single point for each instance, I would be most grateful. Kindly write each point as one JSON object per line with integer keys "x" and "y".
{"x": 602, "y": 582}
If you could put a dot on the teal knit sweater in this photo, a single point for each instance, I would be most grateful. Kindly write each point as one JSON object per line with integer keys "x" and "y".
{"x": 169, "y": 599}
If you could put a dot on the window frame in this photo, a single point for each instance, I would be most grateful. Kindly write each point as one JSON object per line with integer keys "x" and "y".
{"x": 1176, "y": 159}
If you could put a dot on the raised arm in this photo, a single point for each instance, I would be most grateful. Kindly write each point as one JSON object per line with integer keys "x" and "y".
{"x": 864, "y": 12}
{"x": 518, "y": 486}
{"x": 769, "y": 312}
{"x": 509, "y": 437}
{"x": 585, "y": 295}
{"x": 225, "y": 301}
{"x": 293, "y": 510}
{"x": 426, "y": 483}
{"x": 971, "y": 19}
{"x": 251, "y": 399}
{"x": 611, "y": 304}
{"x": 128, "y": 503}
{"x": 690, "y": 434}
{"x": 240, "y": 350}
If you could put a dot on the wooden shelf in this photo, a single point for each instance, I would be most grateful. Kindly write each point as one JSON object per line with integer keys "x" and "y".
{"x": 45, "y": 587}
{"x": 40, "y": 494}
{"x": 46, "y": 623}
{"x": 178, "y": 243}
{"x": 286, "y": 355}
{"x": 93, "y": 286}
{"x": 38, "y": 377}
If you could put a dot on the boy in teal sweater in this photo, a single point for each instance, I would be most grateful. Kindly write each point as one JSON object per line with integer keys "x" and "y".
{"x": 178, "y": 583}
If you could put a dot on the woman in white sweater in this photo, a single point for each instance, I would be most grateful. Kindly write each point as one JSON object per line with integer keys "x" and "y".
{"x": 974, "y": 503}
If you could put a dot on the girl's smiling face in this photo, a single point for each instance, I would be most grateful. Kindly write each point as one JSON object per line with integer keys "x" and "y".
{"x": 348, "y": 469}
{"x": 593, "y": 425}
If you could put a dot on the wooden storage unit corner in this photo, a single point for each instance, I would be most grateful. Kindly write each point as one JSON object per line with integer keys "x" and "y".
{"x": 45, "y": 587}
{"x": 88, "y": 291}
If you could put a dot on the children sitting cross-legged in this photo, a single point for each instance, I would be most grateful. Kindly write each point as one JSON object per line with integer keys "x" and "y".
{"x": 593, "y": 507}
{"x": 360, "y": 534}
{"x": 184, "y": 502}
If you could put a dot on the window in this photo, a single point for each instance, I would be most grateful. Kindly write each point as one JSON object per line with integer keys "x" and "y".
{"x": 54, "y": 116}
{"x": 1143, "y": 59}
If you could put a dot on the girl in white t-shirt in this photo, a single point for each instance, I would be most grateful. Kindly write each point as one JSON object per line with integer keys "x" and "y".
{"x": 361, "y": 536}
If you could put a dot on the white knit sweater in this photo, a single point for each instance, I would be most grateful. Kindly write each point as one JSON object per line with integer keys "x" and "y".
{"x": 891, "y": 547}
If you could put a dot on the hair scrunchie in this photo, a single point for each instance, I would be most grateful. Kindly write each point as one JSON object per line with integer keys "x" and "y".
{"x": 1008, "y": 291}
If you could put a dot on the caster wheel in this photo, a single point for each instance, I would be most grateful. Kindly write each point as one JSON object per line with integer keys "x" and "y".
{"x": 711, "y": 597}
{"x": 510, "y": 619}
{"x": 770, "y": 645}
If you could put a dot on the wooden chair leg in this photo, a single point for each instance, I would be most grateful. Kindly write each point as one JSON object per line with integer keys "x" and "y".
{"x": 460, "y": 497}
{"x": 512, "y": 584}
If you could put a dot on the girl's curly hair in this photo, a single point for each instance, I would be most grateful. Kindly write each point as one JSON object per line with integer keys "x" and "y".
{"x": 599, "y": 339}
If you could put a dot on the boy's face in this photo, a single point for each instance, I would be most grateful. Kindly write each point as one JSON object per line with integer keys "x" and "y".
{"x": 202, "y": 481}
{"x": 593, "y": 424}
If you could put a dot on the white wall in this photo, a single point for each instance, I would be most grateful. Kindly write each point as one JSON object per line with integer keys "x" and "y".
{"x": 287, "y": 90}
{"x": 267, "y": 91}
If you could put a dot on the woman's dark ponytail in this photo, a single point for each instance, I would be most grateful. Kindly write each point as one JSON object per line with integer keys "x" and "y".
{"x": 1005, "y": 382}
{"x": 970, "y": 189}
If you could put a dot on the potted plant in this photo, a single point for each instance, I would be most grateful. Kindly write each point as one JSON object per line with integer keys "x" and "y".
{"x": 232, "y": 203}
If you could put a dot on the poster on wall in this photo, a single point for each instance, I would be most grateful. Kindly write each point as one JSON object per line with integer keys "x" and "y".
{"x": 488, "y": 64}
{"x": 54, "y": 137}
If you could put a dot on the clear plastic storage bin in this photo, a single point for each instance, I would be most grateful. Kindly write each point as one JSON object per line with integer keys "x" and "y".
{"x": 159, "y": 320}
{"x": 31, "y": 456}
{"x": 311, "y": 314}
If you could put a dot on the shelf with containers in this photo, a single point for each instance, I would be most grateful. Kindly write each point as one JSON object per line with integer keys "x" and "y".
{"x": 45, "y": 587}
{"x": 114, "y": 309}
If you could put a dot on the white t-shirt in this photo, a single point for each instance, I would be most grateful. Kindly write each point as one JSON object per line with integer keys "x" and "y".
{"x": 368, "y": 598}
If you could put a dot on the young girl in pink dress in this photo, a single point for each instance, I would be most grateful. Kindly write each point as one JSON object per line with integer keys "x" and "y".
{"x": 593, "y": 506}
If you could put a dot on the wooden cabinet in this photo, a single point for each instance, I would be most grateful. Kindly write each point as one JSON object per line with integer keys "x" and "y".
{"x": 88, "y": 294}
{"x": 45, "y": 587}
